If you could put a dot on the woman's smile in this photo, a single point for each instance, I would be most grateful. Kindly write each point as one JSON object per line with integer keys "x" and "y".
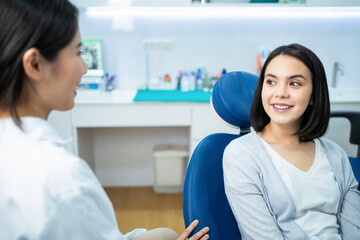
{"x": 281, "y": 107}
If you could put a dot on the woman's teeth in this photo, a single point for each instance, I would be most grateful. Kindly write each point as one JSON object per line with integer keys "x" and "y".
{"x": 281, "y": 106}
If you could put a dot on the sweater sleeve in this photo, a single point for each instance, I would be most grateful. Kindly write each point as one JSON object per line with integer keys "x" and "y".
{"x": 350, "y": 208}
{"x": 242, "y": 181}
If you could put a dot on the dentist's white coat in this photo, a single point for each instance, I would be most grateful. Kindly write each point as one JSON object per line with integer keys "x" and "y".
{"x": 47, "y": 192}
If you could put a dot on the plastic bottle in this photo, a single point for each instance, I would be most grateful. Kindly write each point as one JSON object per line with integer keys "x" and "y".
{"x": 206, "y": 81}
{"x": 192, "y": 81}
{"x": 178, "y": 84}
{"x": 185, "y": 83}
{"x": 199, "y": 80}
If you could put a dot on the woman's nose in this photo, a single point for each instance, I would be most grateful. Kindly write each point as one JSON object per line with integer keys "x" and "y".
{"x": 84, "y": 67}
{"x": 282, "y": 91}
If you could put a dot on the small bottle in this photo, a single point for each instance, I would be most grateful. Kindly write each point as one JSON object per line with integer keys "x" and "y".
{"x": 206, "y": 80}
{"x": 185, "y": 83}
{"x": 192, "y": 81}
{"x": 199, "y": 80}
{"x": 178, "y": 86}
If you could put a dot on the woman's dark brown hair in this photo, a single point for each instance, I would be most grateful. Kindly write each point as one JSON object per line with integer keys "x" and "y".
{"x": 316, "y": 117}
{"x": 48, "y": 25}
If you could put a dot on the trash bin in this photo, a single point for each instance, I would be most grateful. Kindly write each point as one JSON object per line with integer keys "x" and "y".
{"x": 169, "y": 166}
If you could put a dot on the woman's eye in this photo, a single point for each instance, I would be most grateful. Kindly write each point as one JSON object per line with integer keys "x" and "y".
{"x": 295, "y": 84}
{"x": 270, "y": 82}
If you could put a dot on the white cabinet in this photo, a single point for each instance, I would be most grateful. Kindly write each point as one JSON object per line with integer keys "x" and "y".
{"x": 130, "y": 115}
{"x": 117, "y": 140}
{"x": 198, "y": 118}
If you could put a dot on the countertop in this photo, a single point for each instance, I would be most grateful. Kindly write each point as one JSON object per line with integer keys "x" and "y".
{"x": 126, "y": 96}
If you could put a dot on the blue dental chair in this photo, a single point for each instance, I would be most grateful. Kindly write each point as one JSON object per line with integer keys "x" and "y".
{"x": 204, "y": 195}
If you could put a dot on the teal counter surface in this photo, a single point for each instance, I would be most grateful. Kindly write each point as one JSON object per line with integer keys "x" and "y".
{"x": 143, "y": 95}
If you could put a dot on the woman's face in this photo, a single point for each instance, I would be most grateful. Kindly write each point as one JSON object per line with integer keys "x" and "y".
{"x": 286, "y": 91}
{"x": 63, "y": 76}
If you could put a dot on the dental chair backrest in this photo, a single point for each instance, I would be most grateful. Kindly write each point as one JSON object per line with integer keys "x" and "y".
{"x": 204, "y": 195}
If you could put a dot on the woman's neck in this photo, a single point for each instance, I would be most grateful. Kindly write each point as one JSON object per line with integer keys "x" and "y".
{"x": 29, "y": 104}
{"x": 275, "y": 134}
{"x": 31, "y": 110}
{"x": 5, "y": 114}
{"x": 23, "y": 111}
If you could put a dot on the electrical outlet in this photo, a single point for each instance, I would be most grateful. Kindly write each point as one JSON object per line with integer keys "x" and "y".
{"x": 158, "y": 45}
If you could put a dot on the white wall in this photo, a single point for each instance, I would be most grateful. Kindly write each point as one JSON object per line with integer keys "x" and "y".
{"x": 219, "y": 42}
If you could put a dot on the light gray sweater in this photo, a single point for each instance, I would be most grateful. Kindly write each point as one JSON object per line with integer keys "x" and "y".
{"x": 263, "y": 205}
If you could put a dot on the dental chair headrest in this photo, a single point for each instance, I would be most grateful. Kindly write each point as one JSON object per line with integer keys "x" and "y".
{"x": 232, "y": 97}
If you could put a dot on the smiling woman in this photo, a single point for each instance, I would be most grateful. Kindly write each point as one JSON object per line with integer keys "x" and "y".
{"x": 284, "y": 181}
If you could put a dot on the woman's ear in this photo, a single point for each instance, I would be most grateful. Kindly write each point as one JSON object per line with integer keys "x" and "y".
{"x": 311, "y": 101}
{"x": 32, "y": 60}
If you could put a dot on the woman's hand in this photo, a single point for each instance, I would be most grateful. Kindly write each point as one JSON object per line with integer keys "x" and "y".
{"x": 199, "y": 235}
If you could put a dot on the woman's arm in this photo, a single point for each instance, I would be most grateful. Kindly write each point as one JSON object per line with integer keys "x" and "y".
{"x": 242, "y": 188}
{"x": 350, "y": 209}
{"x": 350, "y": 215}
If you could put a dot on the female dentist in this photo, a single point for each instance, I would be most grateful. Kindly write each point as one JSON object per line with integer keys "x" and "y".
{"x": 45, "y": 191}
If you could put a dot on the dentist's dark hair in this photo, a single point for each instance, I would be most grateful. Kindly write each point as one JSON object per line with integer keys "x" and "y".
{"x": 48, "y": 25}
{"x": 316, "y": 117}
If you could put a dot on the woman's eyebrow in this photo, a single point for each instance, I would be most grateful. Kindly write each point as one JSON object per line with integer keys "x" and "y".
{"x": 270, "y": 75}
{"x": 291, "y": 77}
{"x": 78, "y": 45}
{"x": 297, "y": 76}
